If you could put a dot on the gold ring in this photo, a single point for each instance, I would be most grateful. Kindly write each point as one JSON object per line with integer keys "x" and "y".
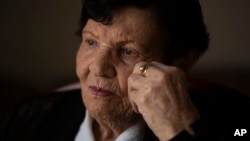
{"x": 143, "y": 69}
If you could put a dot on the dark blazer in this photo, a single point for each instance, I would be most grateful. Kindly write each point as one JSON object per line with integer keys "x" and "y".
{"x": 57, "y": 117}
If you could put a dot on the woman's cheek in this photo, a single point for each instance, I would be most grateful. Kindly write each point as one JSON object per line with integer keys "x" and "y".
{"x": 123, "y": 78}
{"x": 82, "y": 62}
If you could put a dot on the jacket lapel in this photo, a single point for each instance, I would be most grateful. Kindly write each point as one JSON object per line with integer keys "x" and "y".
{"x": 64, "y": 120}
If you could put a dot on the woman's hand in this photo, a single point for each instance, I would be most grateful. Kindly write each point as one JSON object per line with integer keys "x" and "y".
{"x": 161, "y": 96}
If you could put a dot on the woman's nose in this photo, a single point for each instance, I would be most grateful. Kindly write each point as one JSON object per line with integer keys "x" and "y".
{"x": 102, "y": 65}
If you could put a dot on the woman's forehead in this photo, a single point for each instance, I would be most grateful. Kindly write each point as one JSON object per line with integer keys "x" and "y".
{"x": 133, "y": 15}
{"x": 129, "y": 22}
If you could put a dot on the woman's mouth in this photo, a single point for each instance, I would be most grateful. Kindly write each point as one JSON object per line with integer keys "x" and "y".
{"x": 100, "y": 92}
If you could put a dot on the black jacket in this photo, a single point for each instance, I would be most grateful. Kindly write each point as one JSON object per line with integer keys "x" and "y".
{"x": 57, "y": 117}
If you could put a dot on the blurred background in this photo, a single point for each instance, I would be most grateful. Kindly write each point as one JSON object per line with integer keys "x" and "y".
{"x": 38, "y": 46}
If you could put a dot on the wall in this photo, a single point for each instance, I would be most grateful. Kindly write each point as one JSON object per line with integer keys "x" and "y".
{"x": 227, "y": 61}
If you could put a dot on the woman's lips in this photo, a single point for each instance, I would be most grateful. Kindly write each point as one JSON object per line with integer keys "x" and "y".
{"x": 100, "y": 92}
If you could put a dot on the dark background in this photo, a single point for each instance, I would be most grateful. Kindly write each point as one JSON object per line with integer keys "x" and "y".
{"x": 38, "y": 46}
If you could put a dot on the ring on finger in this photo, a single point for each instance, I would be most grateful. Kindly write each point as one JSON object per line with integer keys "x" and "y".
{"x": 143, "y": 69}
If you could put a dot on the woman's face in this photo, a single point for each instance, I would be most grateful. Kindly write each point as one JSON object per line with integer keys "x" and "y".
{"x": 107, "y": 56}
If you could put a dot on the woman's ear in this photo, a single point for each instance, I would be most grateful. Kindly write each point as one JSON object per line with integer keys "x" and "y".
{"x": 187, "y": 61}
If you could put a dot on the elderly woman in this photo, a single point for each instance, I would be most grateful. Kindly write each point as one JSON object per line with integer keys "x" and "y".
{"x": 132, "y": 64}
{"x": 124, "y": 65}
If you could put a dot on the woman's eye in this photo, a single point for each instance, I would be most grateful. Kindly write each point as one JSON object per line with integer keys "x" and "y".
{"x": 128, "y": 52}
{"x": 91, "y": 43}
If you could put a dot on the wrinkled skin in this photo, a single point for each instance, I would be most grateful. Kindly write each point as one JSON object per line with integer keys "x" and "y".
{"x": 161, "y": 97}
{"x": 109, "y": 58}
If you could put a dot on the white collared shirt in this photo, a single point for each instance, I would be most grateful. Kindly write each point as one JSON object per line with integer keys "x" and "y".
{"x": 133, "y": 133}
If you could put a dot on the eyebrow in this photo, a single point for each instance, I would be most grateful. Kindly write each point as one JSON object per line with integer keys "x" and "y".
{"x": 120, "y": 41}
{"x": 89, "y": 32}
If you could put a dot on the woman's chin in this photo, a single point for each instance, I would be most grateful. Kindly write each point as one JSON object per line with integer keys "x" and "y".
{"x": 110, "y": 109}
